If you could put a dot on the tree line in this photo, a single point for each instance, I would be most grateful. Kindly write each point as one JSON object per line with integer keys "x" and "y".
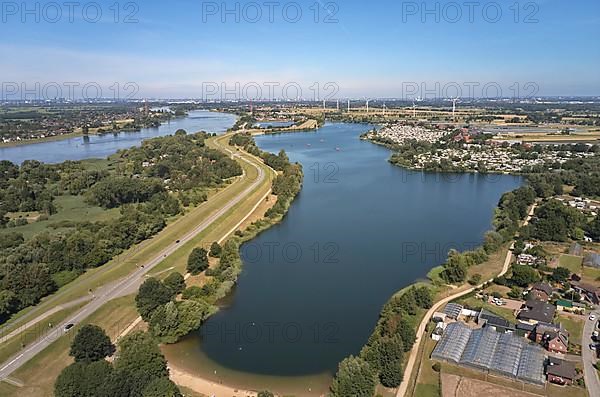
{"x": 380, "y": 360}
{"x": 33, "y": 268}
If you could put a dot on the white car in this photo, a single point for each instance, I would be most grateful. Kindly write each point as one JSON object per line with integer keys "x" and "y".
{"x": 592, "y": 346}
{"x": 592, "y": 317}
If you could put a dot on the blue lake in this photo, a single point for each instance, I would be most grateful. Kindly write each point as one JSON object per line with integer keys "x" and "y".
{"x": 312, "y": 287}
{"x": 101, "y": 146}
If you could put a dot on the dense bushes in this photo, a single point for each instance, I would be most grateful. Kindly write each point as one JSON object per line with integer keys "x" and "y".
{"x": 118, "y": 190}
{"x": 555, "y": 221}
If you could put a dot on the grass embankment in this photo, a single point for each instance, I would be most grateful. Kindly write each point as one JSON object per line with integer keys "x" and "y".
{"x": 128, "y": 261}
{"x": 35, "y": 374}
{"x": 38, "y": 375}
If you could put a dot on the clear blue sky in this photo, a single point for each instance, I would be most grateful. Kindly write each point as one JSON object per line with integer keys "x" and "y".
{"x": 371, "y": 49}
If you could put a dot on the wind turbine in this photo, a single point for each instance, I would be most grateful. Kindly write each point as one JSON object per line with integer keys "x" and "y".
{"x": 384, "y": 108}
{"x": 454, "y": 100}
{"x": 338, "y": 105}
{"x": 414, "y": 110}
{"x": 348, "y": 105}
{"x": 368, "y": 106}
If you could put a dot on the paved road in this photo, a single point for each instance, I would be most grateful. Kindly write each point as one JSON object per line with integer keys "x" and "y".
{"x": 131, "y": 282}
{"x": 410, "y": 365}
{"x": 589, "y": 357}
{"x": 37, "y": 320}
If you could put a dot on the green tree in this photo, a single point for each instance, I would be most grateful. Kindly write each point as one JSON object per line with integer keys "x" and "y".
{"x": 593, "y": 229}
{"x": 197, "y": 261}
{"x": 8, "y": 304}
{"x": 138, "y": 363}
{"x": 391, "y": 352}
{"x": 152, "y": 294}
{"x": 176, "y": 319}
{"x": 423, "y": 297}
{"x": 524, "y": 275}
{"x": 175, "y": 282}
{"x": 215, "y": 250}
{"x": 91, "y": 344}
{"x": 83, "y": 379}
{"x": 560, "y": 274}
{"x": 354, "y": 378}
{"x": 492, "y": 241}
{"x": 556, "y": 222}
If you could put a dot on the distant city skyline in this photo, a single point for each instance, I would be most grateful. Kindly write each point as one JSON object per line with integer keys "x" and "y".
{"x": 378, "y": 50}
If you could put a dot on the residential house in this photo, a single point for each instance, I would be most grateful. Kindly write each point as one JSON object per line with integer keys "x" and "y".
{"x": 541, "y": 292}
{"x": 561, "y": 372}
{"x": 536, "y": 311}
{"x": 553, "y": 337}
{"x": 590, "y": 292}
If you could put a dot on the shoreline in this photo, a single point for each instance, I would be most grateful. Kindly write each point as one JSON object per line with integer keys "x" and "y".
{"x": 70, "y": 135}
{"x": 204, "y": 386}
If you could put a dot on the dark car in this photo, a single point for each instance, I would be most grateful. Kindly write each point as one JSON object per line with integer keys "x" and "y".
{"x": 68, "y": 327}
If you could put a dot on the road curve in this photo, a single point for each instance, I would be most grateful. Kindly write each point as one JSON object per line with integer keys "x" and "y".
{"x": 130, "y": 281}
{"x": 402, "y": 389}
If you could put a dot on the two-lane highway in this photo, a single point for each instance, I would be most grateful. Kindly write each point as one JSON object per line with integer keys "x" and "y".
{"x": 592, "y": 382}
{"x": 129, "y": 283}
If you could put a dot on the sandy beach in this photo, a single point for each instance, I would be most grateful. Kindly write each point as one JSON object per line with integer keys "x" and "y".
{"x": 206, "y": 387}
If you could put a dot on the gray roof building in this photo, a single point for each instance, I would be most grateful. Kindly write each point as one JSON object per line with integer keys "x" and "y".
{"x": 592, "y": 260}
{"x": 487, "y": 350}
{"x": 537, "y": 311}
{"x": 452, "y": 310}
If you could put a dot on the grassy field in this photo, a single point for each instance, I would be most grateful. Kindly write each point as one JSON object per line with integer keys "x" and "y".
{"x": 591, "y": 275}
{"x": 574, "y": 325}
{"x": 70, "y": 208}
{"x": 428, "y": 381}
{"x": 571, "y": 262}
{"x": 118, "y": 314}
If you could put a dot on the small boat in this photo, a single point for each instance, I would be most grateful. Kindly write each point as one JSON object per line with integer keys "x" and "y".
{"x": 337, "y": 149}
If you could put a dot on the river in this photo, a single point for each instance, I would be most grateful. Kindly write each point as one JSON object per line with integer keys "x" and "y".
{"x": 312, "y": 287}
{"x": 101, "y": 146}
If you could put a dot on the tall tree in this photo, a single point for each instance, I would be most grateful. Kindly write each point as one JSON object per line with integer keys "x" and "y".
{"x": 354, "y": 378}
{"x": 197, "y": 261}
{"x": 152, "y": 294}
{"x": 91, "y": 344}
